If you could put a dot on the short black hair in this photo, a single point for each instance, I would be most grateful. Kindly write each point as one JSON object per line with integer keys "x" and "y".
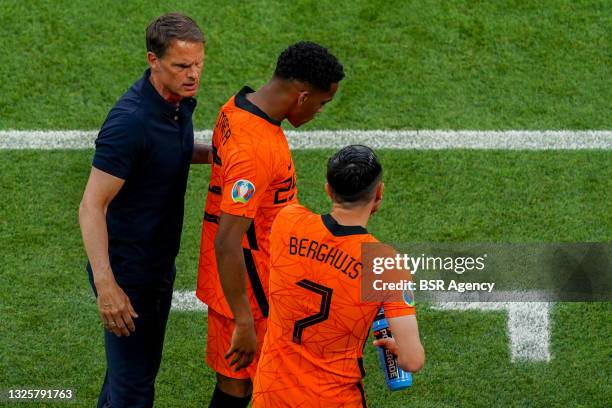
{"x": 309, "y": 62}
{"x": 169, "y": 27}
{"x": 353, "y": 174}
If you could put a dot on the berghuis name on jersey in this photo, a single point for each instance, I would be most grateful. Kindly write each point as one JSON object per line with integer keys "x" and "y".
{"x": 335, "y": 257}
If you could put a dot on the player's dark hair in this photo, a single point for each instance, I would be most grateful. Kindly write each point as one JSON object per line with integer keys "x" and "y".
{"x": 353, "y": 174}
{"x": 309, "y": 62}
{"x": 169, "y": 27}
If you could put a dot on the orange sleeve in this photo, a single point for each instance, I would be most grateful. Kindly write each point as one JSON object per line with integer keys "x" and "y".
{"x": 246, "y": 177}
{"x": 397, "y": 309}
{"x": 400, "y": 307}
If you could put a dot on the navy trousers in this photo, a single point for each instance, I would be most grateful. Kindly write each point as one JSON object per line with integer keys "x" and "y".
{"x": 132, "y": 362}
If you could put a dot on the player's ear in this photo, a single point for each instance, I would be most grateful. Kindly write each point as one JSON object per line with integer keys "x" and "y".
{"x": 378, "y": 197}
{"x": 379, "y": 191}
{"x": 303, "y": 97}
{"x": 329, "y": 191}
{"x": 303, "y": 92}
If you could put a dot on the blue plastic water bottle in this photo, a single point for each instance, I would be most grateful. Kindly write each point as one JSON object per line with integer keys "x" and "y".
{"x": 397, "y": 379}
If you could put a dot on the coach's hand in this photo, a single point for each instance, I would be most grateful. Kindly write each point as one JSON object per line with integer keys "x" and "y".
{"x": 244, "y": 345}
{"x": 115, "y": 308}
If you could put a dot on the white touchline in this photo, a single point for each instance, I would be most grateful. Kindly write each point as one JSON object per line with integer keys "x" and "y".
{"x": 379, "y": 139}
{"x": 528, "y": 326}
{"x": 186, "y": 301}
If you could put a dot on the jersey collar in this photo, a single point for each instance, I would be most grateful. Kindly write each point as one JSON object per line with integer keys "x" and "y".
{"x": 341, "y": 230}
{"x": 242, "y": 102}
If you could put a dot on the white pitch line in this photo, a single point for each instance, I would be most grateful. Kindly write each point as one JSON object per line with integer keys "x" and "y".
{"x": 528, "y": 326}
{"x": 379, "y": 139}
{"x": 450, "y": 139}
{"x": 186, "y": 301}
{"x": 529, "y": 331}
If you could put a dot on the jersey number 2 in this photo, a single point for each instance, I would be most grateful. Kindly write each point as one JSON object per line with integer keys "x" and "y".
{"x": 321, "y": 316}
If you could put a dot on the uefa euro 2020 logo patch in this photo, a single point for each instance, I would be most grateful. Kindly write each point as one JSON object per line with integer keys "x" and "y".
{"x": 408, "y": 297}
{"x": 242, "y": 191}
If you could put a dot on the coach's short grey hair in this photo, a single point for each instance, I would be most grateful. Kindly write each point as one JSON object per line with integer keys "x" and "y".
{"x": 169, "y": 27}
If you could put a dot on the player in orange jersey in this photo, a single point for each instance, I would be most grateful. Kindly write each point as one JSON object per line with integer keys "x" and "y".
{"x": 318, "y": 325}
{"x": 253, "y": 178}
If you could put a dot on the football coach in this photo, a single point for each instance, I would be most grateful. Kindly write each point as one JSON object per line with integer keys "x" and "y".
{"x": 131, "y": 214}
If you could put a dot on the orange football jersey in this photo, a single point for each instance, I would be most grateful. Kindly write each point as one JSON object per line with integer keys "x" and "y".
{"x": 318, "y": 326}
{"x": 253, "y": 176}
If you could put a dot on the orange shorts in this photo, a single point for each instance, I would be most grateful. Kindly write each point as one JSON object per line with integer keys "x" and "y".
{"x": 219, "y": 338}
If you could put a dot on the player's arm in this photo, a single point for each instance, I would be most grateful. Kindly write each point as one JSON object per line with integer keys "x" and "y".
{"x": 202, "y": 154}
{"x": 114, "y": 306}
{"x": 406, "y": 343}
{"x": 232, "y": 274}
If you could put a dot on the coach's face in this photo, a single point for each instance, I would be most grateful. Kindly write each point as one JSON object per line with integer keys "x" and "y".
{"x": 310, "y": 101}
{"x": 176, "y": 74}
